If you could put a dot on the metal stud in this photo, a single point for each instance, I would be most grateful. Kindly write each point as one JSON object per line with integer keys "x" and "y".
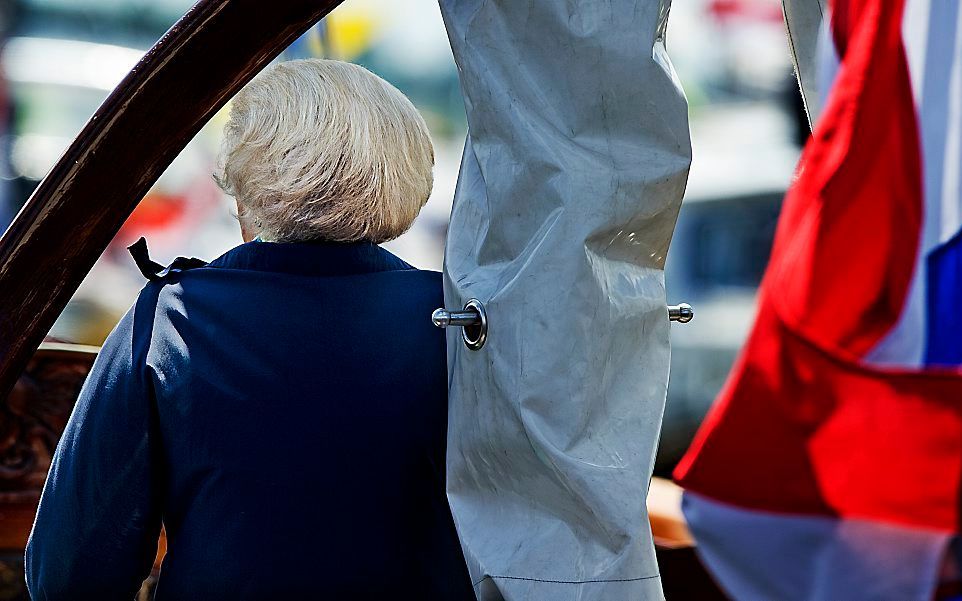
{"x": 682, "y": 313}
{"x": 472, "y": 320}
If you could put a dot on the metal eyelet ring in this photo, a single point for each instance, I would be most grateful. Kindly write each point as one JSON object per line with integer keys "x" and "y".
{"x": 476, "y": 334}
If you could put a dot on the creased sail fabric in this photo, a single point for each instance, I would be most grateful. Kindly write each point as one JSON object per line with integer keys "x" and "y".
{"x": 804, "y": 23}
{"x": 831, "y": 467}
{"x": 570, "y": 184}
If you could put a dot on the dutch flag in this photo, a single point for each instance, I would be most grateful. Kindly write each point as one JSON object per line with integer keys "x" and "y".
{"x": 830, "y": 468}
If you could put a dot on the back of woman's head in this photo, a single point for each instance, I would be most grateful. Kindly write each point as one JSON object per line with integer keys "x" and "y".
{"x": 325, "y": 150}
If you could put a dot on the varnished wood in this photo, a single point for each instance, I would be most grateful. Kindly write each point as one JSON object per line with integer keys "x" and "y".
{"x": 683, "y": 576}
{"x": 172, "y": 92}
{"x": 668, "y": 526}
{"x": 31, "y": 422}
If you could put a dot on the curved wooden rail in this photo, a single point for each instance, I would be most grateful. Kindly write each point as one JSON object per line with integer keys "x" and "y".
{"x": 217, "y": 47}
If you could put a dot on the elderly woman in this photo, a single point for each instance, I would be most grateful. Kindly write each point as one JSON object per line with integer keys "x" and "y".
{"x": 281, "y": 410}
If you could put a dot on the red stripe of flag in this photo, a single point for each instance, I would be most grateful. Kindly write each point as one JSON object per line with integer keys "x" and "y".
{"x": 802, "y": 425}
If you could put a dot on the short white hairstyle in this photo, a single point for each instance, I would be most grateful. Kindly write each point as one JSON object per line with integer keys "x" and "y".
{"x": 322, "y": 150}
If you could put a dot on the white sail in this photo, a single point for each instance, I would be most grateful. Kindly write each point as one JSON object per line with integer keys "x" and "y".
{"x": 570, "y": 184}
{"x": 804, "y": 20}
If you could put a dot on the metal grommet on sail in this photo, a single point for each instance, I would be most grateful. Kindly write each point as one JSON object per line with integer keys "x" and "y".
{"x": 472, "y": 320}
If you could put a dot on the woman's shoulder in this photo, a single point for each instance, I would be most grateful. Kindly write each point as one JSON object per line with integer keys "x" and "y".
{"x": 419, "y": 285}
{"x": 266, "y": 276}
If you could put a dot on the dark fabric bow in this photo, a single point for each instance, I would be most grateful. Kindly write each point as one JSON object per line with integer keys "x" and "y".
{"x": 154, "y": 271}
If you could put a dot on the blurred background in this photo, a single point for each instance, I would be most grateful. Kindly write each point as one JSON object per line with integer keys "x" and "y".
{"x": 61, "y": 58}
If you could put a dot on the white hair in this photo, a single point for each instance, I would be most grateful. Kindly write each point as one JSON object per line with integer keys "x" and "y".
{"x": 325, "y": 150}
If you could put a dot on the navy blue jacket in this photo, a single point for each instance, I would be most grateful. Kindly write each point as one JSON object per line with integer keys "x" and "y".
{"x": 283, "y": 412}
